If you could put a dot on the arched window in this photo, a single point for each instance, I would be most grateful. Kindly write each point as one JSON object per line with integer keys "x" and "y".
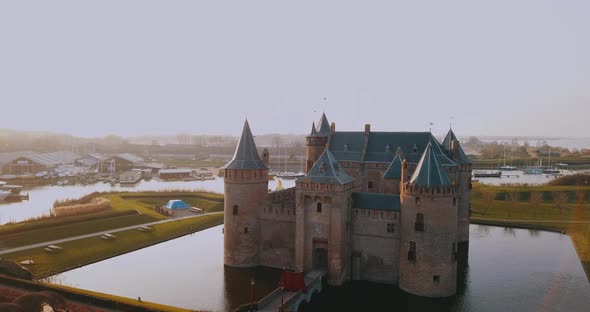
{"x": 235, "y": 210}
{"x": 246, "y": 230}
{"x": 319, "y": 207}
{"x": 419, "y": 225}
{"x": 370, "y": 185}
{"x": 418, "y": 200}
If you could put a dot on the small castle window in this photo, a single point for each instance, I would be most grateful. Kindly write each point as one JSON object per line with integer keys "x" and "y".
{"x": 419, "y": 225}
{"x": 390, "y": 227}
{"x": 415, "y": 148}
{"x": 454, "y": 201}
{"x": 246, "y": 230}
{"x": 370, "y": 185}
{"x": 319, "y": 207}
{"x": 412, "y": 252}
{"x": 346, "y": 147}
{"x": 387, "y": 148}
{"x": 436, "y": 279}
{"x": 235, "y": 210}
{"x": 418, "y": 200}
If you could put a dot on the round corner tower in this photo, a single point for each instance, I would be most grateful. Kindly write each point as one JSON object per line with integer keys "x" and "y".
{"x": 428, "y": 246}
{"x": 245, "y": 190}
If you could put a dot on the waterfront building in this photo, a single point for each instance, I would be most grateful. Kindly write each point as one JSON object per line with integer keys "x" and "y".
{"x": 387, "y": 207}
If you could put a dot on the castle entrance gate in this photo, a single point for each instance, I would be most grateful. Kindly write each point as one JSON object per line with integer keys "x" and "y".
{"x": 320, "y": 254}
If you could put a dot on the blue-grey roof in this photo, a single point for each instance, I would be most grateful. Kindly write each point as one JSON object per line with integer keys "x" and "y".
{"x": 323, "y": 126}
{"x": 382, "y": 146}
{"x": 326, "y": 170}
{"x": 446, "y": 144}
{"x": 443, "y": 157}
{"x": 376, "y": 201}
{"x": 313, "y": 130}
{"x": 430, "y": 172}
{"x": 395, "y": 169}
{"x": 246, "y": 155}
{"x": 176, "y": 204}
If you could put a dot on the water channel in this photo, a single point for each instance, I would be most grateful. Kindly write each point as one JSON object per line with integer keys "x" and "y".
{"x": 42, "y": 198}
{"x": 509, "y": 270}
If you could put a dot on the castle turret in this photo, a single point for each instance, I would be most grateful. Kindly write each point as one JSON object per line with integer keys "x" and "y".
{"x": 453, "y": 148}
{"x": 428, "y": 249}
{"x": 246, "y": 187}
{"x": 316, "y": 141}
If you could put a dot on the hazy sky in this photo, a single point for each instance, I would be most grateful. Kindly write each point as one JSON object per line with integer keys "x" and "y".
{"x": 163, "y": 67}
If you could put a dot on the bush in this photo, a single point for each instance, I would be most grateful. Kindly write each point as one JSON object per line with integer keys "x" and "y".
{"x": 574, "y": 179}
{"x": 95, "y": 205}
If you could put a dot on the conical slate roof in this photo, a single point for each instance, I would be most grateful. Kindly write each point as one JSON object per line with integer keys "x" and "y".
{"x": 429, "y": 172}
{"x": 395, "y": 169}
{"x": 246, "y": 155}
{"x": 313, "y": 130}
{"x": 323, "y": 126}
{"x": 327, "y": 170}
{"x": 447, "y": 146}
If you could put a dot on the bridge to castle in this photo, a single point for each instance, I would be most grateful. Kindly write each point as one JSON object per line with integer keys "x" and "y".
{"x": 292, "y": 300}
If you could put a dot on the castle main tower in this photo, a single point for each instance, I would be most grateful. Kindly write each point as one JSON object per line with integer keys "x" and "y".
{"x": 246, "y": 187}
{"x": 428, "y": 244}
{"x": 316, "y": 142}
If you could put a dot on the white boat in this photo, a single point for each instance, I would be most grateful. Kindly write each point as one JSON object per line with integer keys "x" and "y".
{"x": 290, "y": 175}
{"x": 4, "y": 194}
{"x": 13, "y": 189}
{"x": 532, "y": 170}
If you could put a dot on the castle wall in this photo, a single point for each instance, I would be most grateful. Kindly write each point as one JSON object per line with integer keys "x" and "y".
{"x": 464, "y": 207}
{"x": 435, "y": 246}
{"x": 277, "y": 230}
{"x": 375, "y": 245}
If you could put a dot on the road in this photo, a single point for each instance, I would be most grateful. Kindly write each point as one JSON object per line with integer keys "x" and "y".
{"x": 59, "y": 241}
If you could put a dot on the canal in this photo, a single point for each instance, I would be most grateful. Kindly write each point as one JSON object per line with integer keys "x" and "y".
{"x": 509, "y": 270}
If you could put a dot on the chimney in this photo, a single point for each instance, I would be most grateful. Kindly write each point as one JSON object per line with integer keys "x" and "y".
{"x": 455, "y": 149}
{"x": 367, "y": 129}
{"x": 333, "y": 127}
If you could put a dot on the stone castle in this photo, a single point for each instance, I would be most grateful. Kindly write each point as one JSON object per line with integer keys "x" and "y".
{"x": 387, "y": 207}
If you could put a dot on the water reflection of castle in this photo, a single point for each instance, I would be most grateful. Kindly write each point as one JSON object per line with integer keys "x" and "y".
{"x": 388, "y": 207}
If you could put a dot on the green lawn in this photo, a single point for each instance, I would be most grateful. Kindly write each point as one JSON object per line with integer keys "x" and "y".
{"x": 85, "y": 251}
{"x": 70, "y": 230}
{"x": 502, "y": 211}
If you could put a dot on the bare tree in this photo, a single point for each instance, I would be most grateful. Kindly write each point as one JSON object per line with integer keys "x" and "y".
{"x": 559, "y": 200}
{"x": 488, "y": 199}
{"x": 514, "y": 198}
{"x": 536, "y": 200}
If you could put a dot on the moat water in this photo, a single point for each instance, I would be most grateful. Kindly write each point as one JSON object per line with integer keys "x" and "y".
{"x": 509, "y": 270}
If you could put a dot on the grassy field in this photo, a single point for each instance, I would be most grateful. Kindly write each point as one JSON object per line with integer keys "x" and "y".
{"x": 84, "y": 251}
{"x": 516, "y": 206}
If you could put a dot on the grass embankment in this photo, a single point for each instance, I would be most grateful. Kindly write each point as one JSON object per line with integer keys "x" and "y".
{"x": 85, "y": 251}
{"x": 559, "y": 208}
{"x": 128, "y": 209}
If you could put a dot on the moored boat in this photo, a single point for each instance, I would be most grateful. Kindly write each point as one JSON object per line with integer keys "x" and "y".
{"x": 487, "y": 174}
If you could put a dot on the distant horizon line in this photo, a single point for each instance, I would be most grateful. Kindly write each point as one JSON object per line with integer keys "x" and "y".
{"x": 486, "y": 136}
